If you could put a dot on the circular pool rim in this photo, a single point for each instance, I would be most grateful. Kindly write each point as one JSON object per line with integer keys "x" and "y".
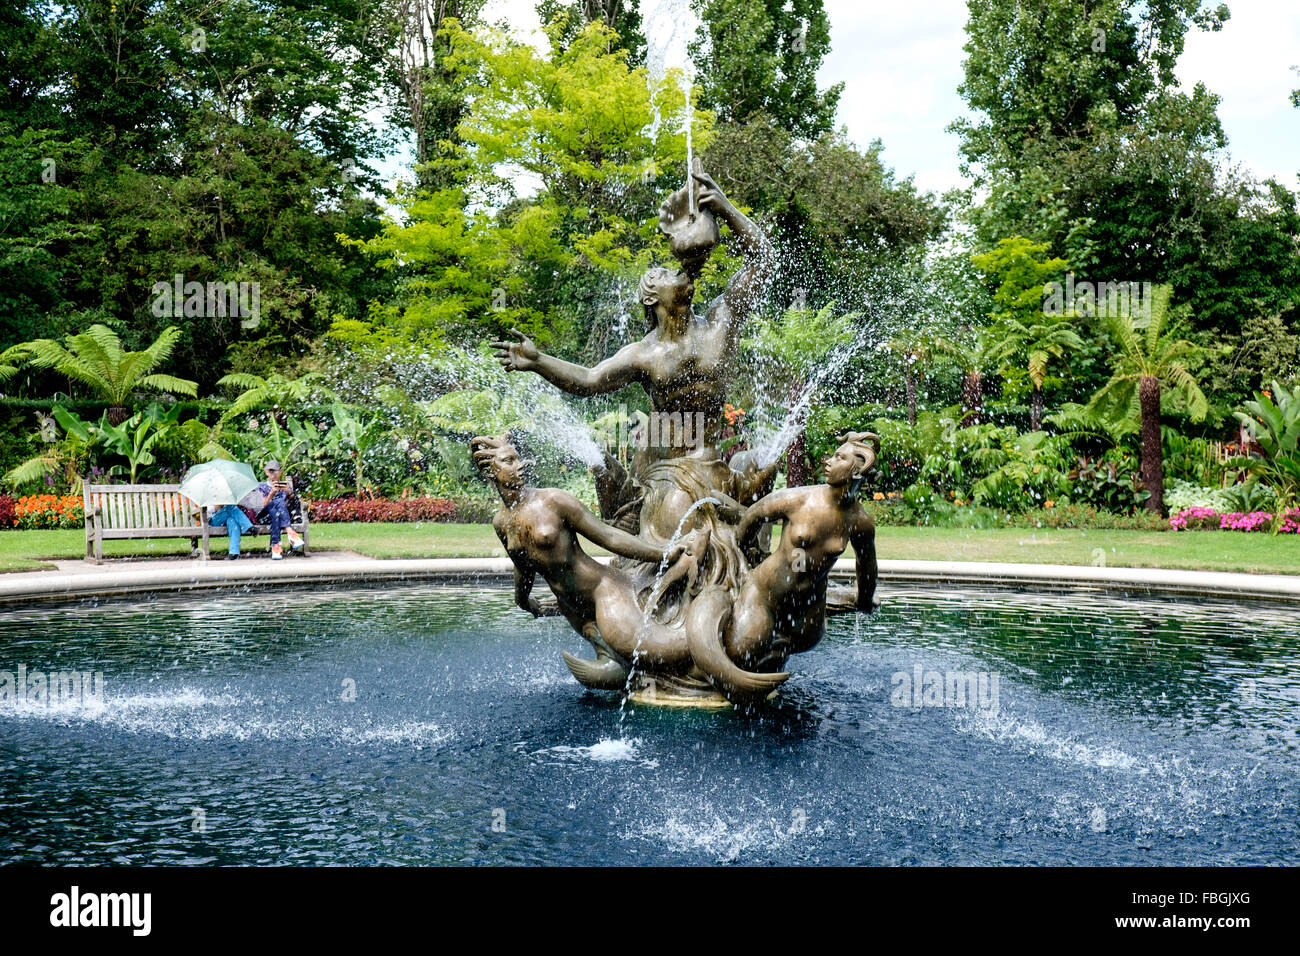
{"x": 130, "y": 577}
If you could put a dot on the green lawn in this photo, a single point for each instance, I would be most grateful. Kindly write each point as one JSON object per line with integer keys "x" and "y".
{"x": 1209, "y": 550}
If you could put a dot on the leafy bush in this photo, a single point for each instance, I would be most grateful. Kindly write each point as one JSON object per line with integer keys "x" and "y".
{"x": 1188, "y": 460}
{"x": 476, "y": 509}
{"x": 990, "y": 465}
{"x": 1250, "y": 495}
{"x": 1106, "y": 485}
{"x": 7, "y": 519}
{"x": 897, "y": 511}
{"x": 1181, "y": 495}
{"x": 1275, "y": 425}
{"x": 1084, "y": 516}
{"x": 383, "y": 510}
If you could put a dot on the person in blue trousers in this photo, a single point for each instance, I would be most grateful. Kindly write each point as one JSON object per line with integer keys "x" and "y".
{"x": 236, "y": 524}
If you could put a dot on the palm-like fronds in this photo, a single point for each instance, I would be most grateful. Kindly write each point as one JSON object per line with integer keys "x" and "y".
{"x": 274, "y": 391}
{"x": 976, "y": 356}
{"x": 1147, "y": 350}
{"x": 802, "y": 338}
{"x": 1274, "y": 421}
{"x": 96, "y": 358}
{"x": 15, "y": 354}
{"x": 33, "y": 469}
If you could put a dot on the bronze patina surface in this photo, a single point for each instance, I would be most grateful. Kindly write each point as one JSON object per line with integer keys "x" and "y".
{"x": 695, "y": 610}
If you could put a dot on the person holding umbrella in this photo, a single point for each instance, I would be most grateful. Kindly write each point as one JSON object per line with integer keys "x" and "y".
{"x": 218, "y": 485}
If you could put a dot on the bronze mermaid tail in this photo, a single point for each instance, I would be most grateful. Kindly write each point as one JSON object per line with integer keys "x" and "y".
{"x": 706, "y": 621}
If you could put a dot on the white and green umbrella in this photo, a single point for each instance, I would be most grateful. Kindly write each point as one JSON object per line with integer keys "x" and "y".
{"x": 219, "y": 482}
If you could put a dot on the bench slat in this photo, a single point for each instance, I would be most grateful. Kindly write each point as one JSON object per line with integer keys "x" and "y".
{"x": 195, "y": 532}
{"x": 117, "y": 489}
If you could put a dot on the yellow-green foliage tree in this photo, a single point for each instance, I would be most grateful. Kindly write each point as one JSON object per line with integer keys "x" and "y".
{"x": 561, "y": 170}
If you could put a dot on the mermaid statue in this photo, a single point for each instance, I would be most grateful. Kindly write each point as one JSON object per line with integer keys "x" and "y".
{"x": 680, "y": 615}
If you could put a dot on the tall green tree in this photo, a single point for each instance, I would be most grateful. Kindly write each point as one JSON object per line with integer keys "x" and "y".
{"x": 1026, "y": 332}
{"x": 622, "y": 17}
{"x": 489, "y": 253}
{"x": 426, "y": 101}
{"x": 835, "y": 213}
{"x": 915, "y": 349}
{"x": 1149, "y": 359}
{"x": 1083, "y": 138}
{"x": 975, "y": 354}
{"x": 762, "y": 56}
{"x": 220, "y": 142}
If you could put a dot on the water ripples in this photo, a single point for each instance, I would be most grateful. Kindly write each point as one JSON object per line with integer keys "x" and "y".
{"x": 438, "y": 725}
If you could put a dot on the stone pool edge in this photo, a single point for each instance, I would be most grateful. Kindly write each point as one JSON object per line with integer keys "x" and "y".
{"x": 110, "y": 581}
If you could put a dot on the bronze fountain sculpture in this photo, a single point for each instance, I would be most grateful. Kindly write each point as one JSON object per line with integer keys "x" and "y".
{"x": 696, "y": 609}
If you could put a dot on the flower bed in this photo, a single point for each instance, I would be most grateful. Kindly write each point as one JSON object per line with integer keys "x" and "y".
{"x": 1205, "y": 519}
{"x": 46, "y": 512}
{"x": 383, "y": 509}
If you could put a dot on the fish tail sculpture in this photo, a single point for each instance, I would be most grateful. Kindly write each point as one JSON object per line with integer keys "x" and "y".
{"x": 706, "y": 621}
{"x": 604, "y": 673}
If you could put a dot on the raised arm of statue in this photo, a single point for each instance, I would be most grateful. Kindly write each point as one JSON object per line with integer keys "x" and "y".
{"x": 610, "y": 375}
{"x": 773, "y": 507}
{"x": 750, "y": 281}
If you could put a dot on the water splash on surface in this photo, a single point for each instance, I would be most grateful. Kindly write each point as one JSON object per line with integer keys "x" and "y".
{"x": 605, "y": 750}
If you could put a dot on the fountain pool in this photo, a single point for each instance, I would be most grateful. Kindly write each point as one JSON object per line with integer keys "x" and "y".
{"x": 1126, "y": 731}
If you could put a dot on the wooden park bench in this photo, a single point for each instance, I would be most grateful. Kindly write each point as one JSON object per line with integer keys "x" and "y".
{"x": 156, "y": 511}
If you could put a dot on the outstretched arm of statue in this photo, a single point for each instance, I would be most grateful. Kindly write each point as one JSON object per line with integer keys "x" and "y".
{"x": 583, "y": 522}
{"x": 610, "y": 375}
{"x": 748, "y": 284}
{"x": 863, "y": 539}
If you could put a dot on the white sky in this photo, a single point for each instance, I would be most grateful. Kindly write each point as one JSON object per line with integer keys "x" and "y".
{"x": 900, "y": 63}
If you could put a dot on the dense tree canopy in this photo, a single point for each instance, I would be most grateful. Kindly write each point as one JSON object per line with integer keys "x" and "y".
{"x": 1084, "y": 140}
{"x": 146, "y": 139}
{"x": 761, "y": 56}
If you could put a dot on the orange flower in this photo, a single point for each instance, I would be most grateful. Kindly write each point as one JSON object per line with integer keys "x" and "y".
{"x": 878, "y": 497}
{"x": 1048, "y": 503}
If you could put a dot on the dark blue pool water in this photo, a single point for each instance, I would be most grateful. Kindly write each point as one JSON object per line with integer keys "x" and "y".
{"x": 1125, "y": 731}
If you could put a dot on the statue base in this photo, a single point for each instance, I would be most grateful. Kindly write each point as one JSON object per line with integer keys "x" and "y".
{"x": 666, "y": 690}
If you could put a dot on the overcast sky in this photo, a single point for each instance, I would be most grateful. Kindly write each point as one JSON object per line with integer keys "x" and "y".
{"x": 900, "y": 63}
